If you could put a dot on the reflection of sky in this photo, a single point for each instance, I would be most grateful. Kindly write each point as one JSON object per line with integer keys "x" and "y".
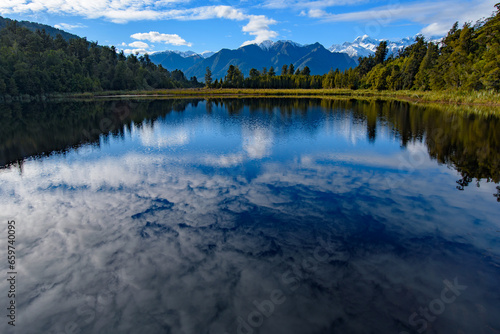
{"x": 180, "y": 226}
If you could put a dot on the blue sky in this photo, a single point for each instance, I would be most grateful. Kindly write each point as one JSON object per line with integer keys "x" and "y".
{"x": 195, "y": 25}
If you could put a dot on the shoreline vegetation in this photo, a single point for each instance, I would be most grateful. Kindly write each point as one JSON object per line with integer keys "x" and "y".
{"x": 472, "y": 98}
{"x": 482, "y": 102}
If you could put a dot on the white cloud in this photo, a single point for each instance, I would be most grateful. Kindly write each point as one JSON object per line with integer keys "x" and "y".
{"x": 138, "y": 44}
{"x": 67, "y": 26}
{"x": 258, "y": 26}
{"x": 438, "y": 17}
{"x": 123, "y": 11}
{"x": 135, "y": 51}
{"x": 436, "y": 29}
{"x": 156, "y": 37}
{"x": 317, "y": 13}
{"x": 279, "y": 4}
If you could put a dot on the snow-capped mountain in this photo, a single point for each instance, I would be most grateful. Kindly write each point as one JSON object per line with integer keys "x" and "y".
{"x": 364, "y": 46}
{"x": 276, "y": 54}
{"x": 207, "y": 54}
{"x": 268, "y": 44}
{"x": 186, "y": 54}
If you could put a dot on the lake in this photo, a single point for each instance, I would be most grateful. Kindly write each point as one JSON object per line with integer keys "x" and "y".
{"x": 250, "y": 216}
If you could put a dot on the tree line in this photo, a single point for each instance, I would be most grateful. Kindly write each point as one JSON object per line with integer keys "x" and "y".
{"x": 35, "y": 63}
{"x": 467, "y": 58}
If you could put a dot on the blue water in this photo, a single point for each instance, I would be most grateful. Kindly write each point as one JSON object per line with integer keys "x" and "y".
{"x": 248, "y": 216}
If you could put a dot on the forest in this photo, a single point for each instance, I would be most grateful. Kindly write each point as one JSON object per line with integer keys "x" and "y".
{"x": 468, "y": 58}
{"x": 35, "y": 63}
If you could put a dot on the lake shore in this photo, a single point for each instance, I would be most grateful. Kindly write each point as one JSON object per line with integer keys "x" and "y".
{"x": 484, "y": 102}
{"x": 485, "y": 98}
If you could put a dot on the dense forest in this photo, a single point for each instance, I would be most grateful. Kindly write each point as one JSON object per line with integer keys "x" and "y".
{"x": 35, "y": 63}
{"x": 468, "y": 58}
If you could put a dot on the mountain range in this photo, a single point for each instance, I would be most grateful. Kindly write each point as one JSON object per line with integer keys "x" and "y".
{"x": 267, "y": 54}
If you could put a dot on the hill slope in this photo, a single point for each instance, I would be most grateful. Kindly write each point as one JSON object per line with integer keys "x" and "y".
{"x": 51, "y": 31}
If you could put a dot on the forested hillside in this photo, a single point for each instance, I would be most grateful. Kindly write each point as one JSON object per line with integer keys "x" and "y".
{"x": 467, "y": 58}
{"x": 36, "y": 63}
{"x": 33, "y": 26}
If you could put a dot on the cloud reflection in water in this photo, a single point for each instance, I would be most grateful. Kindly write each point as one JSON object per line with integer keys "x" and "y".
{"x": 184, "y": 241}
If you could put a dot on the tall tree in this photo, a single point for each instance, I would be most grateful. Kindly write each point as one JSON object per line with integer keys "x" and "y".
{"x": 284, "y": 70}
{"x": 381, "y": 52}
{"x": 208, "y": 78}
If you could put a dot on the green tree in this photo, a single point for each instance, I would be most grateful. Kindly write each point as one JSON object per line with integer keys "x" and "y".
{"x": 254, "y": 74}
{"x": 271, "y": 72}
{"x": 208, "y": 77}
{"x": 284, "y": 70}
{"x": 381, "y": 52}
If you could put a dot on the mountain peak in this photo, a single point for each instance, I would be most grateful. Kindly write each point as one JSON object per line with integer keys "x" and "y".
{"x": 268, "y": 44}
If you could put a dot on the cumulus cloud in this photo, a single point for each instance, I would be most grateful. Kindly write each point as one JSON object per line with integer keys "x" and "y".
{"x": 156, "y": 37}
{"x": 258, "y": 26}
{"x": 139, "y": 44}
{"x": 135, "y": 51}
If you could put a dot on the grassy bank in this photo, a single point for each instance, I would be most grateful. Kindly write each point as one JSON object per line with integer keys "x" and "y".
{"x": 483, "y": 102}
{"x": 446, "y": 97}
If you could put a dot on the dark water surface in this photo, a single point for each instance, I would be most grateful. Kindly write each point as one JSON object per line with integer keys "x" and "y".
{"x": 250, "y": 216}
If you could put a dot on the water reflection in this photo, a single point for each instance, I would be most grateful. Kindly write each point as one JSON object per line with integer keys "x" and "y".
{"x": 248, "y": 216}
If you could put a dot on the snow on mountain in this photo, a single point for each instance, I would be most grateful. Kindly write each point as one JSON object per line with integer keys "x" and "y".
{"x": 207, "y": 54}
{"x": 266, "y": 45}
{"x": 187, "y": 54}
{"x": 364, "y": 46}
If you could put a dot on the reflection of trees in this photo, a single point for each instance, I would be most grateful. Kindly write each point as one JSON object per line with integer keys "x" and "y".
{"x": 41, "y": 128}
{"x": 468, "y": 143}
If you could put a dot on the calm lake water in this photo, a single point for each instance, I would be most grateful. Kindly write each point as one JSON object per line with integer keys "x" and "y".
{"x": 250, "y": 216}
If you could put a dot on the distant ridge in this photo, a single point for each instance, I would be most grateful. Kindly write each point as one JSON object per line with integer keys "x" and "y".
{"x": 51, "y": 31}
{"x": 267, "y": 54}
